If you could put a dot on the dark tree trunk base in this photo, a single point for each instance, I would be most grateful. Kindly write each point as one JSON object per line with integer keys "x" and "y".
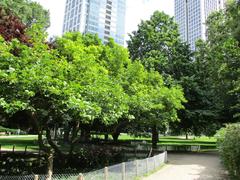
{"x": 154, "y": 137}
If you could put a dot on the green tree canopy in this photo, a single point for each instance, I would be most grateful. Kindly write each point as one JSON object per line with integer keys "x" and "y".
{"x": 28, "y": 11}
{"x": 221, "y": 54}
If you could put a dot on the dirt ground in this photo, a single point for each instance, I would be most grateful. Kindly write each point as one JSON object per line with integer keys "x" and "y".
{"x": 191, "y": 166}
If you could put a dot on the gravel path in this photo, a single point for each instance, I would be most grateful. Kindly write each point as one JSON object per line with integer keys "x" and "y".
{"x": 191, "y": 166}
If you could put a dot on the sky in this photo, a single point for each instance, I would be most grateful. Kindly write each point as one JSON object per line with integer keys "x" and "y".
{"x": 137, "y": 10}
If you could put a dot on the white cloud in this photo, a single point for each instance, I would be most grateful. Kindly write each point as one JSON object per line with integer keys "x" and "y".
{"x": 137, "y": 10}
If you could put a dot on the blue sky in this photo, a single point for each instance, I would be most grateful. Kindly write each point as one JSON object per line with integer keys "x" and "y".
{"x": 137, "y": 10}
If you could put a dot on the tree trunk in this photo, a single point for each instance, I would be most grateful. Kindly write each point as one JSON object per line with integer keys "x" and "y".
{"x": 52, "y": 143}
{"x": 50, "y": 165}
{"x": 49, "y": 152}
{"x": 106, "y": 137}
{"x": 56, "y": 132}
{"x": 66, "y": 134}
{"x": 186, "y": 135}
{"x": 115, "y": 136}
{"x": 85, "y": 134}
{"x": 74, "y": 138}
{"x": 154, "y": 137}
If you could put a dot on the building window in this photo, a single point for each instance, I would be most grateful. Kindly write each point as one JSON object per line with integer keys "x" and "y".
{"x": 109, "y": 2}
{"x": 107, "y": 22}
{"x": 107, "y": 32}
{"x": 108, "y": 17}
{"x": 106, "y": 37}
{"x": 109, "y": 7}
{"x": 108, "y": 12}
{"x": 107, "y": 27}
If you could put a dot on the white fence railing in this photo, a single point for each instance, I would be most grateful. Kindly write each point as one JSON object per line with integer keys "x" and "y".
{"x": 123, "y": 171}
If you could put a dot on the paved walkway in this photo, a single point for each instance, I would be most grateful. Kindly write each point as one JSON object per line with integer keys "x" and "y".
{"x": 191, "y": 166}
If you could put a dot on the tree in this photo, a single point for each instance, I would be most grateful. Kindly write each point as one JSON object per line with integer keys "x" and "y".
{"x": 161, "y": 49}
{"x": 233, "y": 13}
{"x": 11, "y": 27}
{"x": 221, "y": 55}
{"x": 29, "y": 12}
{"x": 152, "y": 103}
{"x": 78, "y": 81}
{"x": 150, "y": 100}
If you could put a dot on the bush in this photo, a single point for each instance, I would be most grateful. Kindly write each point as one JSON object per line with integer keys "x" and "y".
{"x": 228, "y": 143}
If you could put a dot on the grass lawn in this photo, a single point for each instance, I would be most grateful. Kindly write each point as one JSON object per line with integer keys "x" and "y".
{"x": 192, "y": 141}
{"x": 176, "y": 140}
{"x": 20, "y": 142}
{"x": 30, "y": 141}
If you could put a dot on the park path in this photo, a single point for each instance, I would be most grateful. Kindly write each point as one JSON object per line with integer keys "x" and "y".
{"x": 191, "y": 166}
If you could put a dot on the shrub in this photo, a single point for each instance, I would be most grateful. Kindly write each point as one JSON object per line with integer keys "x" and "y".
{"x": 228, "y": 142}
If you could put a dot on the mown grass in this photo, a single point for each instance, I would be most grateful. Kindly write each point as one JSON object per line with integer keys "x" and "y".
{"x": 20, "y": 142}
{"x": 203, "y": 143}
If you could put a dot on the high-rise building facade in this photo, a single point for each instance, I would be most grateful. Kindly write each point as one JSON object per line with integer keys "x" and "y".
{"x": 103, "y": 17}
{"x": 191, "y": 16}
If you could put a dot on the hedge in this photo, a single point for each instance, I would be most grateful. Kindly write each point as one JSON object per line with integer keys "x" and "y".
{"x": 228, "y": 143}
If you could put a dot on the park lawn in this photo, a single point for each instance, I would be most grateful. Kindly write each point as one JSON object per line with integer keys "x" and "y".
{"x": 124, "y": 136}
{"x": 197, "y": 141}
{"x": 20, "y": 142}
{"x": 192, "y": 141}
{"x": 175, "y": 140}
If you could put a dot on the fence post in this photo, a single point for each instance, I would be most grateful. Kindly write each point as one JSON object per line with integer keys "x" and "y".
{"x": 165, "y": 157}
{"x": 147, "y": 164}
{"x": 123, "y": 171}
{"x": 154, "y": 160}
{"x": 36, "y": 177}
{"x": 136, "y": 163}
{"x": 80, "y": 177}
{"x": 106, "y": 173}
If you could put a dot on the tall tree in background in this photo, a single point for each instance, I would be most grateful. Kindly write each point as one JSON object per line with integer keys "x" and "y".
{"x": 221, "y": 54}
{"x": 215, "y": 70}
{"x": 233, "y": 13}
{"x": 157, "y": 45}
{"x": 29, "y": 12}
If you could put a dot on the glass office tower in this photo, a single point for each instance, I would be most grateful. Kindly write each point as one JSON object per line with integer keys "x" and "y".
{"x": 191, "y": 16}
{"x": 103, "y": 17}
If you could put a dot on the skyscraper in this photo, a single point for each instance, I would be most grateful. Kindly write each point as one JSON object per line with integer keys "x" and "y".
{"x": 191, "y": 16}
{"x": 103, "y": 17}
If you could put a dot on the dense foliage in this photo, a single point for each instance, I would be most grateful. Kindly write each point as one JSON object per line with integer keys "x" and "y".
{"x": 228, "y": 139}
{"x": 81, "y": 85}
{"x": 157, "y": 45}
{"x": 219, "y": 56}
{"x": 28, "y": 11}
{"x": 77, "y": 83}
{"x": 11, "y": 26}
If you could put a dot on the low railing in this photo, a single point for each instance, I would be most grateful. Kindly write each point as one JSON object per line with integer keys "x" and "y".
{"x": 123, "y": 171}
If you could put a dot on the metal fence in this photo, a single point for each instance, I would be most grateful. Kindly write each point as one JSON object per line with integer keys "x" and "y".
{"x": 124, "y": 171}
